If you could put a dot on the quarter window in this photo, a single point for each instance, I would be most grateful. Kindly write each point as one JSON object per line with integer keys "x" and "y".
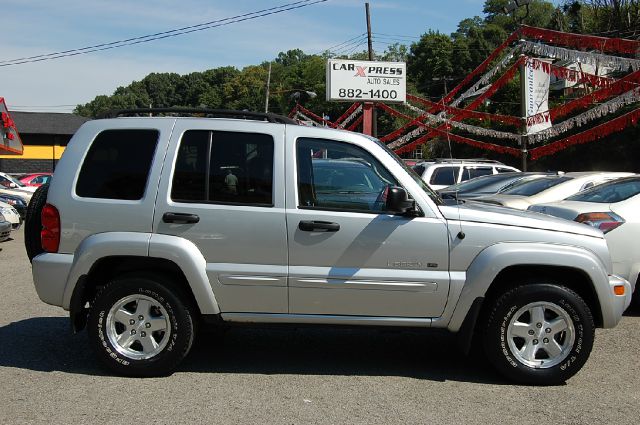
{"x": 117, "y": 165}
{"x": 224, "y": 167}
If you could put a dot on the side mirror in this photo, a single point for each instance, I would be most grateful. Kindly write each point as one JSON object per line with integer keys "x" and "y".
{"x": 399, "y": 203}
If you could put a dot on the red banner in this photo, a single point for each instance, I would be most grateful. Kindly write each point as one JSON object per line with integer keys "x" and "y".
{"x": 506, "y": 119}
{"x": 342, "y": 117}
{"x": 454, "y": 137}
{"x": 582, "y": 42}
{"x": 597, "y": 132}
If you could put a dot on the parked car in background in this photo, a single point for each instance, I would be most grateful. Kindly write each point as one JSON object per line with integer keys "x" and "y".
{"x": 11, "y": 215}
{"x": 612, "y": 207}
{"x": 35, "y": 180}
{"x": 444, "y": 172}
{"x": 549, "y": 188}
{"x": 7, "y": 181}
{"x": 487, "y": 185}
{"x": 5, "y": 229}
{"x": 16, "y": 202}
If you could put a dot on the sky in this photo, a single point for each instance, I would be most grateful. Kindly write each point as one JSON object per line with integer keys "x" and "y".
{"x": 40, "y": 27}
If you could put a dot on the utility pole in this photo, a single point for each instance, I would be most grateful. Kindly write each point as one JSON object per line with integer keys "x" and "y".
{"x": 266, "y": 98}
{"x": 369, "y": 111}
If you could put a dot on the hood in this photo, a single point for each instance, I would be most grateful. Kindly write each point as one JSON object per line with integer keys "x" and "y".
{"x": 481, "y": 212}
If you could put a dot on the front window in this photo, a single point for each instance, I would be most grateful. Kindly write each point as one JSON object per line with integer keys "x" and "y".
{"x": 340, "y": 176}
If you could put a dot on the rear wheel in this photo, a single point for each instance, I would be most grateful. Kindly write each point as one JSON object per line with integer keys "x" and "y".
{"x": 539, "y": 334}
{"x": 33, "y": 222}
{"x": 141, "y": 326}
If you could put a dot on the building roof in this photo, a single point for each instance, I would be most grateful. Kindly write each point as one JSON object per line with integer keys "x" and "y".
{"x": 47, "y": 122}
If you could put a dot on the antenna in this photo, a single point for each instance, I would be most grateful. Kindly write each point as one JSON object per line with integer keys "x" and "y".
{"x": 460, "y": 234}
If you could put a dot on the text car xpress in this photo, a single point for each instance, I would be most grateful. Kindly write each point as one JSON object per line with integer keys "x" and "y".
{"x": 349, "y": 80}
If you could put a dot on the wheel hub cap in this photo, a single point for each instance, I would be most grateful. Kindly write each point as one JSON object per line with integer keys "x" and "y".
{"x": 138, "y": 327}
{"x": 541, "y": 335}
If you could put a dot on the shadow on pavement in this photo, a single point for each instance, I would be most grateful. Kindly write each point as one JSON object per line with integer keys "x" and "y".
{"x": 46, "y": 344}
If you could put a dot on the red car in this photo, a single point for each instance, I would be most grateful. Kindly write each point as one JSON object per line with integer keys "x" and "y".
{"x": 36, "y": 179}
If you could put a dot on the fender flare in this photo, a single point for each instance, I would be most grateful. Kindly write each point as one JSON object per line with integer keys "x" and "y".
{"x": 492, "y": 260}
{"x": 180, "y": 251}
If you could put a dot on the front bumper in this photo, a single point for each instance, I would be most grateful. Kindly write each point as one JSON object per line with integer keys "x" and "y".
{"x": 619, "y": 303}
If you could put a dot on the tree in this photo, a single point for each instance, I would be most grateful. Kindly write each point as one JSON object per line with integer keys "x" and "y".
{"x": 430, "y": 58}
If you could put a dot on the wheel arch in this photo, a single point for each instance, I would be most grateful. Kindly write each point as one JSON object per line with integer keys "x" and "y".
{"x": 505, "y": 265}
{"x": 101, "y": 257}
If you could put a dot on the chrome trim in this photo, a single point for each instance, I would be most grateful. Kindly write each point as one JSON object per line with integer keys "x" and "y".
{"x": 326, "y": 319}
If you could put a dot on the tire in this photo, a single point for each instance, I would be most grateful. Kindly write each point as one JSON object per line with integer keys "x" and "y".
{"x": 140, "y": 326}
{"x": 33, "y": 222}
{"x": 539, "y": 334}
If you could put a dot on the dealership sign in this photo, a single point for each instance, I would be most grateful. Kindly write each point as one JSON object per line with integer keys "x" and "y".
{"x": 349, "y": 81}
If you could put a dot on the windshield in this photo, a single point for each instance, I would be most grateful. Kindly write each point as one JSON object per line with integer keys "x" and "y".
{"x": 5, "y": 179}
{"x": 533, "y": 187}
{"x": 433, "y": 195}
{"x": 484, "y": 182}
{"x": 608, "y": 193}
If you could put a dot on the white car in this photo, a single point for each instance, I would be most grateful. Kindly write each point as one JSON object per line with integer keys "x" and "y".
{"x": 7, "y": 181}
{"x": 441, "y": 173}
{"x": 613, "y": 208}
{"x": 5, "y": 229}
{"x": 11, "y": 215}
{"x": 549, "y": 188}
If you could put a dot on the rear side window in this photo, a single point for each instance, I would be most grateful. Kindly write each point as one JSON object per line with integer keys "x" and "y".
{"x": 419, "y": 169}
{"x": 444, "y": 176}
{"x": 472, "y": 172}
{"x": 117, "y": 165}
{"x": 224, "y": 167}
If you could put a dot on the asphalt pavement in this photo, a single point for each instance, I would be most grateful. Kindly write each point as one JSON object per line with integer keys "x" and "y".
{"x": 292, "y": 376}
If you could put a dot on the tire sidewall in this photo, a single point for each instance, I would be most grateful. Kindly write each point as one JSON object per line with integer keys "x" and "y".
{"x": 33, "y": 222}
{"x": 496, "y": 340}
{"x": 180, "y": 338}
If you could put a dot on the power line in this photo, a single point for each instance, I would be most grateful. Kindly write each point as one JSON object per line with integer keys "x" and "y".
{"x": 164, "y": 34}
{"x": 349, "y": 41}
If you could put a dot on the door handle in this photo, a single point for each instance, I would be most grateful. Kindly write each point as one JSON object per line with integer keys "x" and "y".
{"x": 318, "y": 226}
{"x": 180, "y": 218}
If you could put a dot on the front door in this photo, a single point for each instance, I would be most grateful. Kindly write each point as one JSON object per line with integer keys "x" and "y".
{"x": 347, "y": 256}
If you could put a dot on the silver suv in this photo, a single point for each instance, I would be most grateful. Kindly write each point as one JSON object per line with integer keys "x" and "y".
{"x": 152, "y": 225}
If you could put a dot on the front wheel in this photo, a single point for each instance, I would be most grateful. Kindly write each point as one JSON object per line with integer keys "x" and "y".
{"x": 140, "y": 326}
{"x": 539, "y": 334}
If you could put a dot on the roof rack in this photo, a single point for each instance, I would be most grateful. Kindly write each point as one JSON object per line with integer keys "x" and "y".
{"x": 455, "y": 160}
{"x": 204, "y": 112}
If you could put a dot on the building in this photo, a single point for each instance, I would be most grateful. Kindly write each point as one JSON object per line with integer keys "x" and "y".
{"x": 44, "y": 137}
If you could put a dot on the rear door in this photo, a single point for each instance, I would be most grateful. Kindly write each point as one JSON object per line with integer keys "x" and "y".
{"x": 229, "y": 176}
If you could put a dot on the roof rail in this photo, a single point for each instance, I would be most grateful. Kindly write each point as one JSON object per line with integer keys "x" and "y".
{"x": 456, "y": 161}
{"x": 203, "y": 112}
